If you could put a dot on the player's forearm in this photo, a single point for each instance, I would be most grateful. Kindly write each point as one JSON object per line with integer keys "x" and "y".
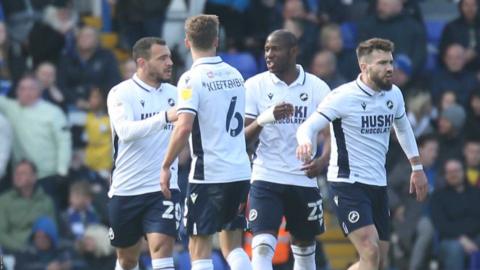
{"x": 128, "y": 130}
{"x": 310, "y": 128}
{"x": 406, "y": 138}
{"x": 252, "y": 131}
{"x": 178, "y": 141}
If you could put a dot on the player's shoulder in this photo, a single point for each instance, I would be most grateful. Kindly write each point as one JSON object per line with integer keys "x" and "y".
{"x": 122, "y": 88}
{"x": 169, "y": 88}
{"x": 396, "y": 91}
{"x": 346, "y": 89}
{"x": 258, "y": 79}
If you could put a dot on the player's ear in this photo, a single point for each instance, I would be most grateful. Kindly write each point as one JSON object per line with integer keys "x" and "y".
{"x": 140, "y": 62}
{"x": 215, "y": 42}
{"x": 294, "y": 51}
{"x": 187, "y": 43}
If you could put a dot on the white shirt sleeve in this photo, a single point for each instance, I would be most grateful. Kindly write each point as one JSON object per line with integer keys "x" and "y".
{"x": 331, "y": 104}
{"x": 251, "y": 106}
{"x": 310, "y": 128}
{"x": 321, "y": 91}
{"x": 403, "y": 130}
{"x": 189, "y": 88}
{"x": 122, "y": 118}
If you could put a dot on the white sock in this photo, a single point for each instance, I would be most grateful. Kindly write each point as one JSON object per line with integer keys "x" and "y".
{"x": 238, "y": 260}
{"x": 163, "y": 264}
{"x": 119, "y": 267}
{"x": 205, "y": 264}
{"x": 263, "y": 248}
{"x": 304, "y": 257}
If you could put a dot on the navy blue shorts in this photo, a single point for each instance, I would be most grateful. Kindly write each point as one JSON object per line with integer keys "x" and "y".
{"x": 359, "y": 205}
{"x": 211, "y": 208}
{"x": 131, "y": 217}
{"x": 301, "y": 206}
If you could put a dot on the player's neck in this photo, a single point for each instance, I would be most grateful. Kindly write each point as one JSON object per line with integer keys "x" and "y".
{"x": 142, "y": 75}
{"x": 289, "y": 75}
{"x": 197, "y": 54}
{"x": 366, "y": 80}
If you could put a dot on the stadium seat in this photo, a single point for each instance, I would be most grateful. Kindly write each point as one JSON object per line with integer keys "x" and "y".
{"x": 243, "y": 61}
{"x": 434, "y": 31}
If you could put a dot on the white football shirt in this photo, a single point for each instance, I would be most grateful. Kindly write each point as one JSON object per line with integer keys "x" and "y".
{"x": 140, "y": 140}
{"x": 275, "y": 159}
{"x": 214, "y": 92}
{"x": 361, "y": 120}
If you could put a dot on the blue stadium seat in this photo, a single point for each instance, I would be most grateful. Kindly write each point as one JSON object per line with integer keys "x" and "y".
{"x": 243, "y": 61}
{"x": 349, "y": 34}
{"x": 434, "y": 31}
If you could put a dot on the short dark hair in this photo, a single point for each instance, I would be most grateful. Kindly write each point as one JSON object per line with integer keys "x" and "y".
{"x": 368, "y": 46}
{"x": 27, "y": 162}
{"x": 201, "y": 31}
{"x": 287, "y": 37}
{"x": 141, "y": 49}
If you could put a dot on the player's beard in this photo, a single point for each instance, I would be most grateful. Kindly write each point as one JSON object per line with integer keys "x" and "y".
{"x": 158, "y": 77}
{"x": 381, "y": 83}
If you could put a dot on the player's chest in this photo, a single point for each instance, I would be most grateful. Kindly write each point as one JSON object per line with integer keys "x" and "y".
{"x": 147, "y": 105}
{"x": 302, "y": 100}
{"x": 372, "y": 115}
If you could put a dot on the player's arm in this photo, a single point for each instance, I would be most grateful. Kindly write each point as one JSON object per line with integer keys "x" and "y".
{"x": 178, "y": 140}
{"x": 315, "y": 167}
{"x": 121, "y": 116}
{"x": 406, "y": 138}
{"x": 307, "y": 132}
{"x": 253, "y": 126}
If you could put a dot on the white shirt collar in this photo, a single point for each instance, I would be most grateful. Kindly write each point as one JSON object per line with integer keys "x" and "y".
{"x": 143, "y": 85}
{"x": 208, "y": 60}
{"x": 299, "y": 81}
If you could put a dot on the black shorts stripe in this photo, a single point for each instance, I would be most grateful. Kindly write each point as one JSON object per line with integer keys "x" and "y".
{"x": 198, "y": 173}
{"x": 342, "y": 155}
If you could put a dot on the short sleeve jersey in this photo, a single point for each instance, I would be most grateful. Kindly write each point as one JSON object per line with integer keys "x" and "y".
{"x": 214, "y": 92}
{"x": 275, "y": 159}
{"x": 361, "y": 120}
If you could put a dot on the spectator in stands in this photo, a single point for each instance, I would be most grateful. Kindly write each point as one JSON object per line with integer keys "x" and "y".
{"x": 98, "y": 153}
{"x": 421, "y": 113}
{"x": 21, "y": 16}
{"x": 411, "y": 221}
{"x": 55, "y": 32}
{"x": 12, "y": 61}
{"x": 89, "y": 65}
{"x": 21, "y": 206}
{"x": 473, "y": 116}
{"x": 300, "y": 29}
{"x": 80, "y": 212}
{"x": 44, "y": 251}
{"x": 139, "y": 19}
{"x": 402, "y": 73}
{"x": 41, "y": 131}
{"x": 410, "y": 7}
{"x": 453, "y": 76}
{"x": 324, "y": 66}
{"x": 450, "y": 127}
{"x": 471, "y": 153}
{"x": 464, "y": 30}
{"x": 331, "y": 39}
{"x": 95, "y": 248}
{"x": 447, "y": 99}
{"x": 6, "y": 139}
{"x": 329, "y": 11}
{"x": 128, "y": 69}
{"x": 391, "y": 22}
{"x": 46, "y": 74}
{"x": 456, "y": 217}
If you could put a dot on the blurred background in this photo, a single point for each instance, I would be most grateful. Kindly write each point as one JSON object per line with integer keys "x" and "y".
{"x": 59, "y": 59}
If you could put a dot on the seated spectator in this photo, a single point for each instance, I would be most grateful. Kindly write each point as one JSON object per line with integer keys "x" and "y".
{"x": 89, "y": 65}
{"x": 98, "y": 153}
{"x": 41, "y": 135}
{"x": 447, "y": 99}
{"x": 450, "y": 130}
{"x": 95, "y": 248}
{"x": 331, "y": 39}
{"x": 21, "y": 206}
{"x": 55, "y": 32}
{"x": 46, "y": 74}
{"x": 464, "y": 30}
{"x": 128, "y": 69}
{"x": 421, "y": 113}
{"x": 306, "y": 42}
{"x": 456, "y": 217}
{"x": 324, "y": 66}
{"x": 44, "y": 251}
{"x": 411, "y": 222}
{"x": 473, "y": 115}
{"x": 390, "y": 21}
{"x": 12, "y": 61}
{"x": 453, "y": 76}
{"x": 80, "y": 212}
{"x": 471, "y": 152}
{"x": 6, "y": 139}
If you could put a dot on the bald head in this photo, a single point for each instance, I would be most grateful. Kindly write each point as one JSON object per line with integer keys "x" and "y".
{"x": 284, "y": 38}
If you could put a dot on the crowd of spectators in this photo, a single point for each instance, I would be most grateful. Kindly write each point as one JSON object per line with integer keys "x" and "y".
{"x": 55, "y": 150}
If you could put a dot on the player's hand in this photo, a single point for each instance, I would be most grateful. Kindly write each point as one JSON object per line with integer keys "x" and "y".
{"x": 282, "y": 111}
{"x": 165, "y": 182}
{"x": 468, "y": 245}
{"x": 304, "y": 152}
{"x": 314, "y": 167}
{"x": 172, "y": 114}
{"x": 419, "y": 185}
